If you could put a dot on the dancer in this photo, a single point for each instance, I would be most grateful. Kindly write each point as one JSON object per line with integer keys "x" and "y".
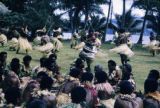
{"x": 23, "y": 43}
{"x": 56, "y": 39}
{"x": 39, "y": 34}
{"x": 89, "y": 50}
{"x": 3, "y": 39}
{"x": 122, "y": 47}
{"x": 153, "y": 45}
{"x": 74, "y": 40}
{"x": 46, "y": 46}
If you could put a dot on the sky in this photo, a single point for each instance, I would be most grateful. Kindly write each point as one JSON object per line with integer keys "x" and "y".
{"x": 118, "y": 8}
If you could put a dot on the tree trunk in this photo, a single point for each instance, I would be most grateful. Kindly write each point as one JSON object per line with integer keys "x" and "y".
{"x": 143, "y": 27}
{"x": 75, "y": 20}
{"x": 103, "y": 38}
{"x": 124, "y": 12}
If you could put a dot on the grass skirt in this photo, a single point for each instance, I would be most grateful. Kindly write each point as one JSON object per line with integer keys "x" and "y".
{"x": 152, "y": 45}
{"x": 57, "y": 44}
{"x": 123, "y": 49}
{"x": 13, "y": 43}
{"x": 3, "y": 39}
{"x": 45, "y": 48}
{"x": 24, "y": 44}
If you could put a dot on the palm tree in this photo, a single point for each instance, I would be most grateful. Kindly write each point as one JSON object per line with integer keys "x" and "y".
{"x": 154, "y": 23}
{"x": 132, "y": 24}
{"x": 148, "y": 6}
{"x": 81, "y": 7}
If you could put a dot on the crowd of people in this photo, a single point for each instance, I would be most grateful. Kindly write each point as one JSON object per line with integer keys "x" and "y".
{"x": 44, "y": 86}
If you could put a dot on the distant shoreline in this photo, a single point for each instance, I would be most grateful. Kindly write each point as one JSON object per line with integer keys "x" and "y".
{"x": 109, "y": 37}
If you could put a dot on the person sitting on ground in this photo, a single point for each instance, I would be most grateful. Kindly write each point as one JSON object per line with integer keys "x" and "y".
{"x": 3, "y": 58}
{"x": 155, "y": 74}
{"x": 114, "y": 73}
{"x": 13, "y": 96}
{"x": 11, "y": 79}
{"x": 40, "y": 67}
{"x": 78, "y": 96}
{"x": 87, "y": 83}
{"x": 104, "y": 89}
{"x": 28, "y": 91}
{"x": 26, "y": 68}
{"x": 152, "y": 96}
{"x": 3, "y": 63}
{"x": 71, "y": 82}
{"x": 53, "y": 69}
{"x": 80, "y": 65}
{"x": 126, "y": 98}
{"x": 127, "y": 74}
{"x": 15, "y": 66}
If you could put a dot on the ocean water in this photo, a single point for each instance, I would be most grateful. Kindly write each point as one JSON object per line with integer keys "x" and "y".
{"x": 109, "y": 37}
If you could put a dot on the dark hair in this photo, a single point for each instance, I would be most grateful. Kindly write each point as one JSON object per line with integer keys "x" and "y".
{"x": 101, "y": 77}
{"x": 52, "y": 57}
{"x": 37, "y": 103}
{"x": 12, "y": 95}
{"x": 78, "y": 94}
{"x": 154, "y": 74}
{"x": 150, "y": 85}
{"x": 27, "y": 58}
{"x": 98, "y": 68}
{"x": 126, "y": 87}
{"x": 15, "y": 65}
{"x": 42, "y": 74}
{"x": 88, "y": 76}
{"x": 43, "y": 61}
{"x": 74, "y": 73}
{"x": 128, "y": 67}
{"x": 46, "y": 83}
{"x": 78, "y": 62}
{"x": 112, "y": 62}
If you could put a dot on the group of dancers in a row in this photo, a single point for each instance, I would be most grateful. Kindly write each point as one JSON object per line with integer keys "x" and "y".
{"x": 89, "y": 44}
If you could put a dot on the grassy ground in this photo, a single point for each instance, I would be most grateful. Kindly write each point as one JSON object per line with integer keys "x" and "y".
{"x": 142, "y": 62}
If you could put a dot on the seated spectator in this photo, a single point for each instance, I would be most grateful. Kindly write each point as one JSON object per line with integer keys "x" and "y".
{"x": 80, "y": 65}
{"x": 114, "y": 74}
{"x": 72, "y": 81}
{"x": 37, "y": 103}
{"x": 13, "y": 96}
{"x": 78, "y": 96}
{"x": 91, "y": 98}
{"x": 104, "y": 89}
{"x": 155, "y": 74}
{"x": 46, "y": 83}
{"x": 102, "y": 83}
{"x": 26, "y": 68}
{"x": 15, "y": 66}
{"x": 152, "y": 96}
{"x": 127, "y": 74}
{"x": 11, "y": 80}
{"x": 40, "y": 67}
{"x": 126, "y": 98}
